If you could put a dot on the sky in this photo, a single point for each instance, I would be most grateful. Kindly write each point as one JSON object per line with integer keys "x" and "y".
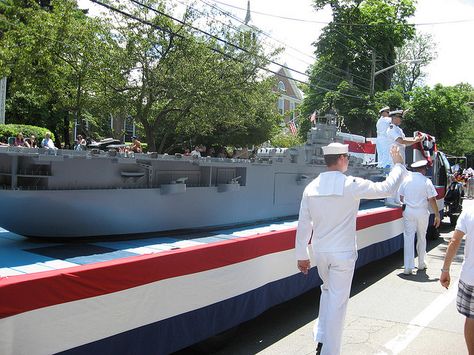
{"x": 450, "y": 22}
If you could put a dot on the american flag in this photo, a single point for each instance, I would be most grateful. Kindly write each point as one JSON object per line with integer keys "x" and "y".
{"x": 293, "y": 128}
{"x": 313, "y": 117}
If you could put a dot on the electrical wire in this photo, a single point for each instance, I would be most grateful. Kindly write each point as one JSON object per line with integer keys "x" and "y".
{"x": 220, "y": 39}
{"x": 312, "y": 57}
{"x": 259, "y": 31}
{"x": 345, "y": 23}
{"x": 361, "y": 87}
{"x": 112, "y": 8}
{"x": 226, "y": 13}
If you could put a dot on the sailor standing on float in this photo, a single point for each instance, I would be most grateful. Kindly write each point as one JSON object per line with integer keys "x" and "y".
{"x": 417, "y": 193}
{"x": 327, "y": 216}
{"x": 383, "y": 142}
{"x": 395, "y": 133}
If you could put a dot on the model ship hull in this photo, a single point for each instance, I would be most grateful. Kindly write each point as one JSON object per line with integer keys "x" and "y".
{"x": 100, "y": 212}
{"x": 88, "y": 194}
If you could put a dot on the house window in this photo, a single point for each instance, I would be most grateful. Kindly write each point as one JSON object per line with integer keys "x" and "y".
{"x": 292, "y": 109}
{"x": 281, "y": 105}
{"x": 281, "y": 86}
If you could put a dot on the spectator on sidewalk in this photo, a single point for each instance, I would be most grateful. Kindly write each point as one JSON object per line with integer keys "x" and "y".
{"x": 47, "y": 142}
{"x": 136, "y": 146}
{"x": 32, "y": 141}
{"x": 80, "y": 143}
{"x": 465, "y": 297}
{"x": 20, "y": 141}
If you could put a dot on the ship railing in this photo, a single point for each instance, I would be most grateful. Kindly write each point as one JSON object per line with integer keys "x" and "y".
{"x": 96, "y": 153}
{"x": 86, "y": 188}
{"x": 35, "y": 172}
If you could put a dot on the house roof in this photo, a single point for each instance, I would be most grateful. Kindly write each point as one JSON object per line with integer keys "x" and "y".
{"x": 286, "y": 74}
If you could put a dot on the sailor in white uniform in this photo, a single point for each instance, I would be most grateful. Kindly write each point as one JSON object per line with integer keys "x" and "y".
{"x": 328, "y": 216}
{"x": 417, "y": 193}
{"x": 383, "y": 142}
{"x": 395, "y": 133}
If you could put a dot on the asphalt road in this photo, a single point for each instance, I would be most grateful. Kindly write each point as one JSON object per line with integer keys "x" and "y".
{"x": 388, "y": 313}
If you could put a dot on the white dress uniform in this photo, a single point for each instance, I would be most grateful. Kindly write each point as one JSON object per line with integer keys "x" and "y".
{"x": 328, "y": 213}
{"x": 465, "y": 224}
{"x": 470, "y": 187}
{"x": 383, "y": 142}
{"x": 394, "y": 132}
{"x": 416, "y": 189}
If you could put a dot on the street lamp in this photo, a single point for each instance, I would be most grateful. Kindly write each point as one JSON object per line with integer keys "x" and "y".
{"x": 375, "y": 73}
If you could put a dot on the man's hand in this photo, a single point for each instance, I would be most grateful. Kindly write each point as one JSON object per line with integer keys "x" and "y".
{"x": 396, "y": 156}
{"x": 445, "y": 279}
{"x": 304, "y": 266}
{"x": 418, "y": 139}
{"x": 437, "y": 221}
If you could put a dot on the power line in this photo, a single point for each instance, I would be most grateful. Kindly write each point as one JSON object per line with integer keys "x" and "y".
{"x": 345, "y": 23}
{"x": 231, "y": 44}
{"x": 254, "y": 28}
{"x": 218, "y": 38}
{"x": 267, "y": 35}
{"x": 214, "y": 36}
{"x": 272, "y": 15}
{"x": 111, "y": 8}
{"x": 257, "y": 29}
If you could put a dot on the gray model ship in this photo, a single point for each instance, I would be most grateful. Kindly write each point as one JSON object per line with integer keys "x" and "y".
{"x": 68, "y": 193}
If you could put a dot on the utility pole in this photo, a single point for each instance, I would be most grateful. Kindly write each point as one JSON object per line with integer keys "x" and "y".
{"x": 3, "y": 97}
{"x": 372, "y": 75}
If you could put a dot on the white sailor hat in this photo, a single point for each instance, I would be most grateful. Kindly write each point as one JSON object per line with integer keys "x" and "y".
{"x": 419, "y": 163}
{"x": 386, "y": 108}
{"x": 396, "y": 113}
{"x": 336, "y": 148}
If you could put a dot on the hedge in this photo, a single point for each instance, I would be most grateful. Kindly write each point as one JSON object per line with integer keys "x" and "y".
{"x": 11, "y": 130}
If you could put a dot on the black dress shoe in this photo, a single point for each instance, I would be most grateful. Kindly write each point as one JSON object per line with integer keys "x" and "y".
{"x": 319, "y": 348}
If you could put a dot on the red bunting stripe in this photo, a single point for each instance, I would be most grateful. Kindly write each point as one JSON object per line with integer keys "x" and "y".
{"x": 27, "y": 292}
{"x": 356, "y": 147}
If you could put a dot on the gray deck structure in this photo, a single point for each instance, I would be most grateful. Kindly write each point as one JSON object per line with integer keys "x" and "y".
{"x": 96, "y": 193}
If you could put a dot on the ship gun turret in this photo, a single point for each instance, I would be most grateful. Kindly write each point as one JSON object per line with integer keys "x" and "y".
{"x": 271, "y": 155}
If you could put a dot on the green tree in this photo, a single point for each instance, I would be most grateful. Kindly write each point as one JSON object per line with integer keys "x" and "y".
{"x": 408, "y": 75}
{"x": 442, "y": 112}
{"x": 359, "y": 32}
{"x": 184, "y": 86}
{"x": 462, "y": 141}
{"x": 57, "y": 61}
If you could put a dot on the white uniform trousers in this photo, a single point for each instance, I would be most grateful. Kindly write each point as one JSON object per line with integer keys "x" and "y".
{"x": 336, "y": 271}
{"x": 415, "y": 220}
{"x": 383, "y": 145}
{"x": 470, "y": 188}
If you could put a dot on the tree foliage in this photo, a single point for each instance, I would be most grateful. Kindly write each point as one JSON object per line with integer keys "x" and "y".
{"x": 443, "y": 112}
{"x": 340, "y": 77}
{"x": 57, "y": 61}
{"x": 421, "y": 51}
{"x": 188, "y": 88}
{"x": 178, "y": 84}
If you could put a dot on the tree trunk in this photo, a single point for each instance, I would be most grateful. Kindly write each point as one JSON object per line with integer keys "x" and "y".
{"x": 150, "y": 137}
{"x": 67, "y": 139}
